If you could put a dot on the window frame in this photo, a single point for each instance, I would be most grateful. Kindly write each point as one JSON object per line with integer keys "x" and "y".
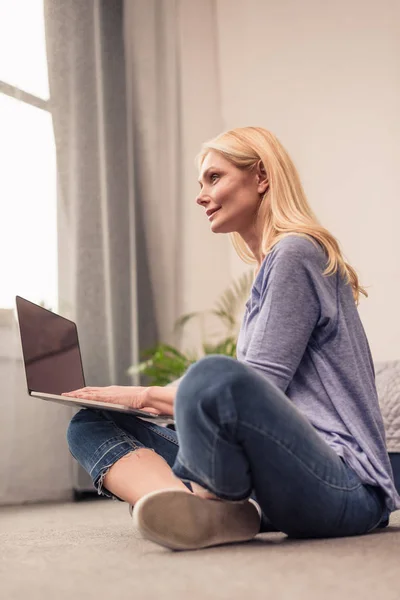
{"x": 19, "y": 94}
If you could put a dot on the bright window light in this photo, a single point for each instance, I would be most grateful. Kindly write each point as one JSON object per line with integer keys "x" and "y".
{"x": 28, "y": 187}
{"x": 22, "y": 46}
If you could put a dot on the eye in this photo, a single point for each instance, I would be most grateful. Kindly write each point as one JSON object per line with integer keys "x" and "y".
{"x": 213, "y": 175}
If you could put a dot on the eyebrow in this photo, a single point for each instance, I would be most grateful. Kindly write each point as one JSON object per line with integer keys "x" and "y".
{"x": 206, "y": 172}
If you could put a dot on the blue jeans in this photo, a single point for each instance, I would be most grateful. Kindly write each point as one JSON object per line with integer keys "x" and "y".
{"x": 239, "y": 436}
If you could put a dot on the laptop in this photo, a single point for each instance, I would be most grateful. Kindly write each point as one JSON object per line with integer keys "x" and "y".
{"x": 52, "y": 360}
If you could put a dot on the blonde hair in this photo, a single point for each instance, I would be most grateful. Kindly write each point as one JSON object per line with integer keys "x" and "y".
{"x": 284, "y": 208}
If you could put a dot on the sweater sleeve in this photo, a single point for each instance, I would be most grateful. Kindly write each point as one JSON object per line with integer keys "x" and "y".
{"x": 289, "y": 310}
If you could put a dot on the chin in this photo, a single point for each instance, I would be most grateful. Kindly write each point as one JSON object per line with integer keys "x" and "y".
{"x": 221, "y": 227}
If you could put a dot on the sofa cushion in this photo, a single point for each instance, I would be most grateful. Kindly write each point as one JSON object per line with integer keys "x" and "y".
{"x": 387, "y": 378}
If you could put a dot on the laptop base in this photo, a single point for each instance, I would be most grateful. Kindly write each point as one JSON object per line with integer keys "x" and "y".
{"x": 104, "y": 406}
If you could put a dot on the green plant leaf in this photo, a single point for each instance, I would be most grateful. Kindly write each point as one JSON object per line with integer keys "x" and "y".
{"x": 225, "y": 316}
{"x": 164, "y": 363}
{"x": 235, "y": 296}
{"x": 226, "y": 346}
{"x": 183, "y": 320}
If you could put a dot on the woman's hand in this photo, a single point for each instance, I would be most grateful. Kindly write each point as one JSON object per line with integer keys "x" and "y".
{"x": 132, "y": 396}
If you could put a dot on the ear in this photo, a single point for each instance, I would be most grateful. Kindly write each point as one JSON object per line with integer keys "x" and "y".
{"x": 261, "y": 177}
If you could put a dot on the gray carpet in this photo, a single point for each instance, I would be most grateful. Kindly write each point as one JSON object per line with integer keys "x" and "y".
{"x": 91, "y": 550}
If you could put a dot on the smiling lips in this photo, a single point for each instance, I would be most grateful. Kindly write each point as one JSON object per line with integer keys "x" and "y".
{"x": 211, "y": 213}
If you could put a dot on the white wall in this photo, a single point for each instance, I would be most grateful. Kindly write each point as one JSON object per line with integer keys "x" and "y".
{"x": 325, "y": 78}
{"x": 35, "y": 465}
{"x": 205, "y": 256}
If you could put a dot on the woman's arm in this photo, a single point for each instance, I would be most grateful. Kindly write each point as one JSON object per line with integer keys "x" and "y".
{"x": 289, "y": 309}
{"x": 161, "y": 398}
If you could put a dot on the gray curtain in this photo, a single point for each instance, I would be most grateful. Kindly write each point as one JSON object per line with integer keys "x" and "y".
{"x": 102, "y": 253}
{"x": 151, "y": 33}
{"x": 103, "y": 258}
{"x": 128, "y": 121}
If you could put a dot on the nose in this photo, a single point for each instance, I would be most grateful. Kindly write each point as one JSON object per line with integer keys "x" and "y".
{"x": 200, "y": 200}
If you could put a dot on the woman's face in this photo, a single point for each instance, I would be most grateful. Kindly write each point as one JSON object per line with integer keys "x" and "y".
{"x": 234, "y": 192}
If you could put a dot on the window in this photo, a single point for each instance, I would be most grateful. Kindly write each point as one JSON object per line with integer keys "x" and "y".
{"x": 28, "y": 186}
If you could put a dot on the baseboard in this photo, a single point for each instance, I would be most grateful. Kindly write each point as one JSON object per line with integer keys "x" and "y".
{"x": 82, "y": 496}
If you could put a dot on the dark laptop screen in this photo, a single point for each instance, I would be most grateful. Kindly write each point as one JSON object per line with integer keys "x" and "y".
{"x": 50, "y": 348}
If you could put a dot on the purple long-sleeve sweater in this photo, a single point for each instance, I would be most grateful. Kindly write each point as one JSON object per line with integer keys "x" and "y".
{"x": 301, "y": 329}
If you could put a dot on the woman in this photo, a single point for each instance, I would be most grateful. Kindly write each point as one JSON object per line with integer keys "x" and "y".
{"x": 287, "y": 438}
